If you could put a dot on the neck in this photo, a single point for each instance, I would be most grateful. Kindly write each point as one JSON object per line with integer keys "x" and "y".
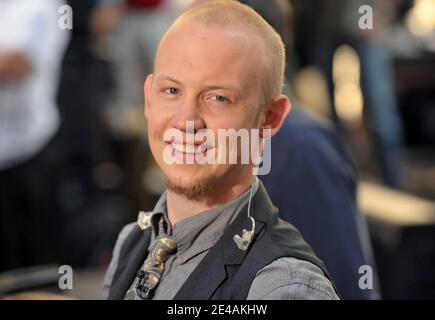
{"x": 180, "y": 208}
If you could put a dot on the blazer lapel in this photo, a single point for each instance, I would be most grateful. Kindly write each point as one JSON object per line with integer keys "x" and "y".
{"x": 206, "y": 278}
{"x": 136, "y": 249}
{"x": 212, "y": 270}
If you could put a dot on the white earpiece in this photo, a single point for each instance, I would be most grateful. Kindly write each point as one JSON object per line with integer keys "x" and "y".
{"x": 244, "y": 241}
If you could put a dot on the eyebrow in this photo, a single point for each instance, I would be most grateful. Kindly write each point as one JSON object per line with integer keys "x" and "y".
{"x": 213, "y": 87}
{"x": 165, "y": 77}
{"x": 209, "y": 87}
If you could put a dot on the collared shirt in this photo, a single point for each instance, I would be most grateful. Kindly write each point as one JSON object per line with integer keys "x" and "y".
{"x": 285, "y": 278}
{"x": 194, "y": 235}
{"x": 28, "y": 112}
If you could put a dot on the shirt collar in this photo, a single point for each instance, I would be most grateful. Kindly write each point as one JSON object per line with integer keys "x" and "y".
{"x": 159, "y": 211}
{"x": 200, "y": 232}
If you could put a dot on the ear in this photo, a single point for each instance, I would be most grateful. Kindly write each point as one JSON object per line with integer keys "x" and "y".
{"x": 147, "y": 93}
{"x": 276, "y": 113}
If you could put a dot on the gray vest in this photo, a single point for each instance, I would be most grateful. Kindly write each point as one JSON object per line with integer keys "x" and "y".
{"x": 226, "y": 272}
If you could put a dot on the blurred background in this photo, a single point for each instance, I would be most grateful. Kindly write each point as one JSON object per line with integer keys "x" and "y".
{"x": 75, "y": 165}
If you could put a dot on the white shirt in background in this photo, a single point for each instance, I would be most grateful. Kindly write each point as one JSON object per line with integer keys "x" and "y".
{"x": 28, "y": 113}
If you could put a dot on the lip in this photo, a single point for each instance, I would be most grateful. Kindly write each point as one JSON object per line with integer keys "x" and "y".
{"x": 188, "y": 148}
{"x": 185, "y": 150}
{"x": 173, "y": 140}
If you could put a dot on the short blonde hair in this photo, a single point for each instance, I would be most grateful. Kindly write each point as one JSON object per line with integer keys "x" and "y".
{"x": 231, "y": 13}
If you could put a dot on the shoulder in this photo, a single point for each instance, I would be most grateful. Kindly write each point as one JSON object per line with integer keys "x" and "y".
{"x": 304, "y": 129}
{"x": 291, "y": 279}
{"x": 108, "y": 278}
{"x": 123, "y": 235}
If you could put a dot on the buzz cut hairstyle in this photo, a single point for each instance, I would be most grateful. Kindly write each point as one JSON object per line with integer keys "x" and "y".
{"x": 233, "y": 14}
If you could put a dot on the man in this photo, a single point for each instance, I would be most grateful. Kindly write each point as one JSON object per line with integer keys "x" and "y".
{"x": 214, "y": 233}
{"x": 31, "y": 50}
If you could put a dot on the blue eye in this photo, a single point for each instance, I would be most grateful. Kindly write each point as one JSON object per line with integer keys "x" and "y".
{"x": 220, "y": 98}
{"x": 172, "y": 91}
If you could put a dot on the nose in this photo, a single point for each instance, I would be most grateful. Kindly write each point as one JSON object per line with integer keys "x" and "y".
{"x": 188, "y": 111}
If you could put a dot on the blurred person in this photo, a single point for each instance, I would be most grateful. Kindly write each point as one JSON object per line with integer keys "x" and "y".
{"x": 337, "y": 23}
{"x": 189, "y": 246}
{"x": 136, "y": 27}
{"x": 130, "y": 31}
{"x": 313, "y": 182}
{"x": 31, "y": 49}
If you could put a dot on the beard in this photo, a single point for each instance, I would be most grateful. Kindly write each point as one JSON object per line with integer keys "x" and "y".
{"x": 197, "y": 190}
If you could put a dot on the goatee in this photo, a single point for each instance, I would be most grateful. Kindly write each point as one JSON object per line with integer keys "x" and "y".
{"x": 196, "y": 191}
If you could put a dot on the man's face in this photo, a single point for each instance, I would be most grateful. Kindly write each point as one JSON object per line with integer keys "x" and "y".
{"x": 208, "y": 75}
